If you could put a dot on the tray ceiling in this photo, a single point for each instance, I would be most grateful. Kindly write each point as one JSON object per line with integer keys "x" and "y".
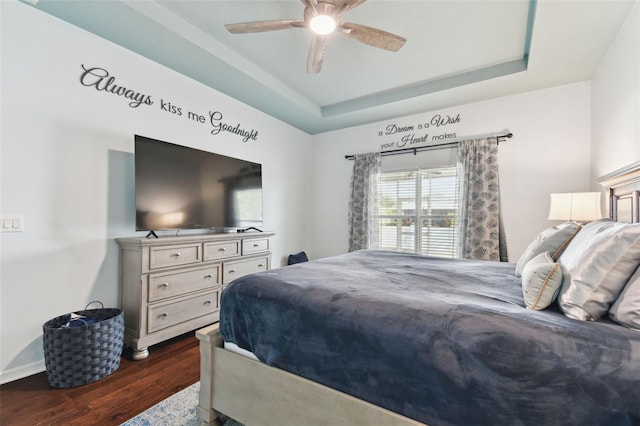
{"x": 456, "y": 51}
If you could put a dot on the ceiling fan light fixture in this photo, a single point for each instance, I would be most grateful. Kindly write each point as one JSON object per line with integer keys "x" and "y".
{"x": 323, "y": 17}
{"x": 322, "y": 24}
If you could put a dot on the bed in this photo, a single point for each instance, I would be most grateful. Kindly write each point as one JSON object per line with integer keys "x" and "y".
{"x": 384, "y": 338}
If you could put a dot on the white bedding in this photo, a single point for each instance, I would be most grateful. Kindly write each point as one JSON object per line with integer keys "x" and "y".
{"x": 232, "y": 347}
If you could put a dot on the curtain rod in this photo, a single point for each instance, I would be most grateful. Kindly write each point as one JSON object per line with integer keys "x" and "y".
{"x": 416, "y": 149}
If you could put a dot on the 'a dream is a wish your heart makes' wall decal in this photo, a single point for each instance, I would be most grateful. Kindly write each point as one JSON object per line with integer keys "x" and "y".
{"x": 419, "y": 134}
{"x": 101, "y": 80}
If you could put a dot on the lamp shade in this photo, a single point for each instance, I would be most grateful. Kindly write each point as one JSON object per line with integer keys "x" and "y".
{"x": 575, "y": 206}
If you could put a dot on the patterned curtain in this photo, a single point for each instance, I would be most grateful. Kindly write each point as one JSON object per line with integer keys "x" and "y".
{"x": 363, "y": 203}
{"x": 480, "y": 225}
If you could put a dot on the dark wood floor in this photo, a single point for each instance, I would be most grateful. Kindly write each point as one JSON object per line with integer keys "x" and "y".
{"x": 134, "y": 387}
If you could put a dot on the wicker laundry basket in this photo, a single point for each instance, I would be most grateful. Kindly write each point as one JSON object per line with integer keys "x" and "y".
{"x": 83, "y": 347}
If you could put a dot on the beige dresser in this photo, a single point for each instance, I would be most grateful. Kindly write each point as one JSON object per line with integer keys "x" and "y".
{"x": 172, "y": 285}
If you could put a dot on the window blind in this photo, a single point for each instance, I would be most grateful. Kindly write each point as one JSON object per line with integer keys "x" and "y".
{"x": 418, "y": 211}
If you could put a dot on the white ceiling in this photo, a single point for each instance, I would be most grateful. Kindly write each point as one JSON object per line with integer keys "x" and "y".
{"x": 456, "y": 51}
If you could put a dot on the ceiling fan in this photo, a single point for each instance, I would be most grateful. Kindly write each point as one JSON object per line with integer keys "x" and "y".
{"x": 323, "y": 17}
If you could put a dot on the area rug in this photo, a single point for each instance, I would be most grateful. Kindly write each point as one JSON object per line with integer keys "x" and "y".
{"x": 177, "y": 410}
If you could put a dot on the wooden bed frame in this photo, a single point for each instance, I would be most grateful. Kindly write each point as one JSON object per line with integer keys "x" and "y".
{"x": 623, "y": 190}
{"x": 254, "y": 393}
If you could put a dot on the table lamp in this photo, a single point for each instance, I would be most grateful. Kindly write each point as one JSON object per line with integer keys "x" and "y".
{"x": 575, "y": 206}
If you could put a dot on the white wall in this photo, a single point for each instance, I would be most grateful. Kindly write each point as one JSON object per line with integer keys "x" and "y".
{"x": 615, "y": 106}
{"x": 549, "y": 152}
{"x": 67, "y": 167}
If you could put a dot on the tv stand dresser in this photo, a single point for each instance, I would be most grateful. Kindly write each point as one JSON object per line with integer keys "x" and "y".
{"x": 172, "y": 285}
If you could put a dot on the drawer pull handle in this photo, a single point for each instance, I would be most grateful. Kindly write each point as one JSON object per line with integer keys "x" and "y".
{"x": 208, "y": 302}
{"x": 165, "y": 285}
{"x": 177, "y": 254}
{"x": 222, "y": 249}
{"x": 164, "y": 315}
{"x": 231, "y": 271}
{"x": 208, "y": 276}
{"x": 261, "y": 266}
{"x": 256, "y": 245}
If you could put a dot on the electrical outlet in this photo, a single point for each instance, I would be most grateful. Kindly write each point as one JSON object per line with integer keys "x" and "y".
{"x": 11, "y": 223}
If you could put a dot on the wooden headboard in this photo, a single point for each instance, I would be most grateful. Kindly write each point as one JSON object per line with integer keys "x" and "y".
{"x": 623, "y": 190}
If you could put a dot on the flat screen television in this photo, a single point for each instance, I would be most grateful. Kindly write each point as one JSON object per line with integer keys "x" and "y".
{"x": 177, "y": 187}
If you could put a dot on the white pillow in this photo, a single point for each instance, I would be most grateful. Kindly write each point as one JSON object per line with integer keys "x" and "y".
{"x": 552, "y": 240}
{"x": 596, "y": 265}
{"x": 626, "y": 309}
{"x": 541, "y": 281}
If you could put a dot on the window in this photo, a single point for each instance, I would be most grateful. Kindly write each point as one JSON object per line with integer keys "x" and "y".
{"x": 418, "y": 211}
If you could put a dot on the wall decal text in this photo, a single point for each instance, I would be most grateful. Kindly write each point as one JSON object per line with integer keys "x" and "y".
{"x": 103, "y": 81}
{"x": 416, "y": 134}
{"x": 100, "y": 79}
{"x": 219, "y": 126}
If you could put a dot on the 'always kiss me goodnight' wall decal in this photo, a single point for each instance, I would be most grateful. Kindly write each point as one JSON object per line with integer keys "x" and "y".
{"x": 101, "y": 80}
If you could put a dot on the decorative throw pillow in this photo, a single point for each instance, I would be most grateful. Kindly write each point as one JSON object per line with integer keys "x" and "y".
{"x": 596, "y": 265}
{"x": 541, "y": 281}
{"x": 297, "y": 258}
{"x": 626, "y": 309}
{"x": 552, "y": 240}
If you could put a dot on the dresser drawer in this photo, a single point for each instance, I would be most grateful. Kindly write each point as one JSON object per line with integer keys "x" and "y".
{"x": 169, "y": 284}
{"x": 255, "y": 245}
{"x": 180, "y": 254}
{"x": 221, "y": 250}
{"x": 236, "y": 269}
{"x": 169, "y": 314}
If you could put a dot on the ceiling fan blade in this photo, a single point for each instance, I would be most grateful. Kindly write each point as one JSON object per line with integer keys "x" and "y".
{"x": 316, "y": 55}
{"x": 311, "y": 6}
{"x": 344, "y": 6}
{"x": 373, "y": 36}
{"x": 352, "y": 4}
{"x": 261, "y": 26}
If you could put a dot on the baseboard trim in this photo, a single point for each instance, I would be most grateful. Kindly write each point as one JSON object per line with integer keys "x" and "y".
{"x": 22, "y": 372}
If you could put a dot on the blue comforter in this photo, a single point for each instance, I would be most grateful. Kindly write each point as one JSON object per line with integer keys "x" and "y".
{"x": 443, "y": 341}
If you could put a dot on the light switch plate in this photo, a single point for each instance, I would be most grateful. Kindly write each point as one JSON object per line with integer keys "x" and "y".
{"x": 11, "y": 223}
